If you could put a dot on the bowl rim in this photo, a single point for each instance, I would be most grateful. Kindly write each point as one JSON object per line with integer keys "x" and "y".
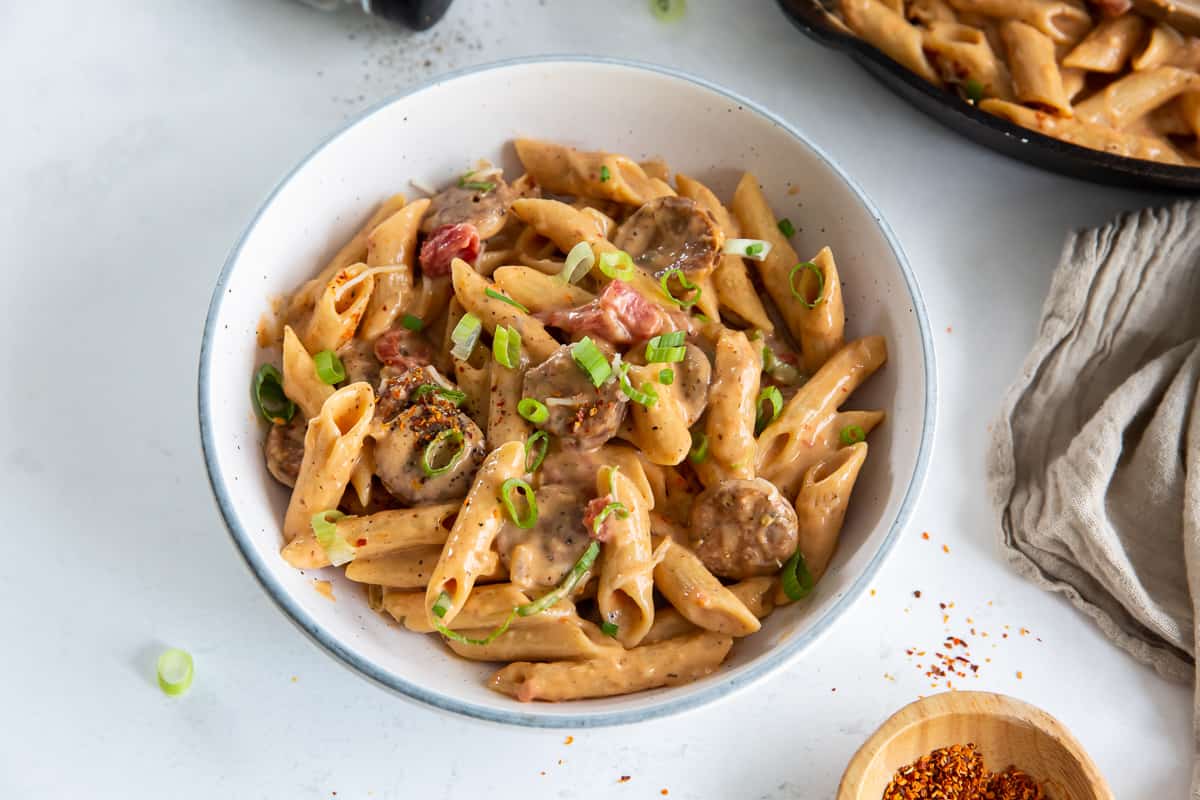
{"x": 757, "y": 670}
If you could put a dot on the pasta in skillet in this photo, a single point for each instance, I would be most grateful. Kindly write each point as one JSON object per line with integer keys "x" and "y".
{"x": 580, "y": 422}
{"x": 1095, "y": 74}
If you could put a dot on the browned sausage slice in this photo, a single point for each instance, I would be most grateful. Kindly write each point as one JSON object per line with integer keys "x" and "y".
{"x": 743, "y": 528}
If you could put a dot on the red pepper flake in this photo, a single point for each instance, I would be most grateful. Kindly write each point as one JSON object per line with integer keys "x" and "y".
{"x": 925, "y": 535}
{"x": 664, "y": 792}
{"x": 1020, "y": 675}
{"x": 917, "y": 594}
{"x": 361, "y": 543}
{"x": 624, "y": 779}
{"x": 945, "y": 548}
{"x": 569, "y": 740}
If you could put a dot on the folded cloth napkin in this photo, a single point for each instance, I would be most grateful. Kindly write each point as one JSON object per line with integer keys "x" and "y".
{"x": 1094, "y": 465}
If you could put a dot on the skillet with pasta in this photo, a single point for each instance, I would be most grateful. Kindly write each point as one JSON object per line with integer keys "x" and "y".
{"x": 587, "y": 423}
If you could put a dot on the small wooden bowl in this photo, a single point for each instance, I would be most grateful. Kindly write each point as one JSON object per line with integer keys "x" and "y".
{"x": 1005, "y": 730}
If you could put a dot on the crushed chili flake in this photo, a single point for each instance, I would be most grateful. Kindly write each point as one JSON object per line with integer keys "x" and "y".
{"x": 623, "y": 779}
{"x": 1013, "y": 784}
{"x": 664, "y": 792}
{"x": 917, "y": 594}
{"x": 569, "y": 740}
{"x": 945, "y": 548}
{"x": 957, "y": 772}
{"x": 925, "y": 535}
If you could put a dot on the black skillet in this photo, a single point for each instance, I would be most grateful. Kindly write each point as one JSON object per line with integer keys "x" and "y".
{"x": 812, "y": 18}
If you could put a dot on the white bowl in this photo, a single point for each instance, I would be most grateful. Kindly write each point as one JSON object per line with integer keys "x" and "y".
{"x": 640, "y": 110}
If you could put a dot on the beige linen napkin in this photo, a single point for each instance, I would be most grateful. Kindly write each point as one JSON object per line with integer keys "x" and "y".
{"x": 1094, "y": 464}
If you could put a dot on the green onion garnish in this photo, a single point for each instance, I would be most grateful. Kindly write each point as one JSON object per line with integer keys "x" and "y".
{"x": 974, "y": 90}
{"x": 605, "y": 175}
{"x": 609, "y": 628}
{"x": 433, "y": 452}
{"x": 612, "y": 508}
{"x": 807, "y": 265}
{"x": 567, "y": 586}
{"x": 687, "y": 285}
{"x": 528, "y": 519}
{"x": 337, "y": 549}
{"x": 329, "y": 367}
{"x": 451, "y": 395}
{"x": 465, "y": 336}
{"x": 756, "y": 249}
{"x": 668, "y": 10}
{"x": 579, "y": 262}
{"x": 535, "y": 448}
{"x": 492, "y": 293}
{"x": 666, "y": 348}
{"x": 533, "y": 410}
{"x": 773, "y": 396}
{"x": 779, "y": 370}
{"x": 589, "y": 358}
{"x": 617, "y": 265}
{"x": 175, "y": 671}
{"x": 699, "y": 450}
{"x": 852, "y": 434}
{"x": 506, "y": 346}
{"x": 786, "y": 227}
{"x": 269, "y": 400}
{"x": 475, "y": 186}
{"x": 796, "y": 580}
{"x": 412, "y": 323}
{"x": 645, "y": 396}
{"x": 491, "y": 637}
{"x": 666, "y": 376}
{"x": 441, "y": 605}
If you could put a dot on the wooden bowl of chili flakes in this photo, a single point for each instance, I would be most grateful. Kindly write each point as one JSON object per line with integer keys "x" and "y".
{"x": 972, "y": 744}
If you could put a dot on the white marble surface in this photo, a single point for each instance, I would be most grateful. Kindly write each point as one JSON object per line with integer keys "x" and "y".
{"x": 140, "y": 137}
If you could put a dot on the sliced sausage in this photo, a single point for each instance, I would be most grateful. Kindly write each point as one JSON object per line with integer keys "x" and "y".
{"x": 620, "y": 315}
{"x": 743, "y": 528}
{"x": 398, "y": 391}
{"x": 446, "y": 244}
{"x": 581, "y": 416}
{"x": 360, "y": 361}
{"x": 485, "y": 211}
{"x": 400, "y": 447}
{"x": 285, "y": 450}
{"x": 672, "y": 233}
{"x": 542, "y": 556}
{"x": 693, "y": 376}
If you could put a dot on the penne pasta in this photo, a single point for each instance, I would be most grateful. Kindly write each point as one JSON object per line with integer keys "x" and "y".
{"x": 412, "y": 568}
{"x": 699, "y": 596}
{"x": 565, "y": 170}
{"x": 392, "y": 243}
{"x": 300, "y": 380}
{"x": 626, "y": 593}
{"x": 660, "y": 430}
{"x": 1035, "y": 76}
{"x": 962, "y": 53}
{"x": 539, "y": 292}
{"x": 338, "y": 309}
{"x": 821, "y": 504}
{"x": 1109, "y": 46}
{"x": 756, "y": 594}
{"x": 563, "y": 639}
{"x": 471, "y": 290}
{"x": 503, "y": 423}
{"x": 398, "y": 529}
{"x": 486, "y": 609}
{"x": 1057, "y": 19}
{"x": 1135, "y": 95}
{"x": 732, "y": 450}
{"x": 887, "y": 30}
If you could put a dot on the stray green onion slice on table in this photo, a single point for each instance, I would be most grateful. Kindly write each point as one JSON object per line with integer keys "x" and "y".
{"x": 175, "y": 671}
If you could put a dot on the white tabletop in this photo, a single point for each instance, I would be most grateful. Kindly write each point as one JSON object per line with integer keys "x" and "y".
{"x": 139, "y": 139}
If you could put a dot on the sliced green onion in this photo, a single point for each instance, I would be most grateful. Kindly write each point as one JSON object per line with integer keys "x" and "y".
{"x": 536, "y": 447}
{"x": 665, "y": 283}
{"x": 465, "y": 336}
{"x": 617, "y": 265}
{"x": 492, "y": 293}
{"x": 589, "y": 358}
{"x": 579, "y": 262}
{"x": 756, "y": 249}
{"x": 772, "y": 395}
{"x": 433, "y": 451}
{"x": 609, "y": 628}
{"x": 702, "y": 318}
{"x": 475, "y": 186}
{"x": 452, "y": 395}
{"x": 786, "y": 227}
{"x": 533, "y": 410}
{"x": 337, "y": 549}
{"x": 269, "y": 400}
{"x": 605, "y": 175}
{"x": 666, "y": 376}
{"x": 779, "y": 370}
{"x": 612, "y": 508}
{"x": 567, "y": 586}
{"x": 491, "y": 637}
{"x": 668, "y": 10}
{"x": 807, "y": 265}
{"x": 441, "y": 605}
{"x": 506, "y": 346}
{"x": 852, "y": 434}
{"x": 699, "y": 450}
{"x": 329, "y": 367}
{"x": 645, "y": 396}
{"x": 175, "y": 671}
{"x": 796, "y": 580}
{"x": 973, "y": 89}
{"x": 528, "y": 519}
{"x": 666, "y": 348}
{"x": 412, "y": 323}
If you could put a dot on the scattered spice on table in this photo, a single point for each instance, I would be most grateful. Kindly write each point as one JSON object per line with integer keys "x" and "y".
{"x": 569, "y": 740}
{"x": 957, "y": 772}
{"x": 623, "y": 779}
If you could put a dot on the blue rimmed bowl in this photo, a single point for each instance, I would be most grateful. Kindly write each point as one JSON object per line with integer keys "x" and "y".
{"x": 701, "y": 129}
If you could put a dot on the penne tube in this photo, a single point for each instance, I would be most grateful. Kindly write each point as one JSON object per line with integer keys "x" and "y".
{"x": 625, "y": 596}
{"x": 564, "y": 170}
{"x": 1135, "y": 95}
{"x": 891, "y": 33}
{"x": 464, "y": 557}
{"x": 927, "y": 12}
{"x": 963, "y": 52}
{"x": 338, "y": 309}
{"x": 1074, "y": 81}
{"x": 475, "y": 382}
{"x": 1189, "y": 111}
{"x": 818, "y": 329}
{"x": 795, "y": 434}
{"x": 1109, "y": 46}
{"x": 384, "y": 532}
{"x": 699, "y": 596}
{"x": 504, "y": 424}
{"x": 412, "y": 568}
{"x": 1161, "y": 48}
{"x": 660, "y": 430}
{"x": 756, "y": 594}
{"x": 301, "y": 383}
{"x": 362, "y": 477}
{"x": 392, "y": 243}
{"x": 1035, "y": 77}
{"x": 332, "y": 446}
{"x": 563, "y": 639}
{"x": 539, "y": 292}
{"x": 821, "y": 504}
{"x": 471, "y": 290}
{"x": 731, "y": 279}
{"x": 670, "y": 663}
{"x": 486, "y": 609}
{"x": 732, "y": 450}
{"x": 1060, "y": 20}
